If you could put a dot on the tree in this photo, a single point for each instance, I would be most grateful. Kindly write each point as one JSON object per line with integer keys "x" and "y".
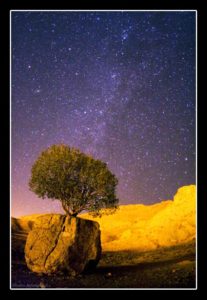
{"x": 79, "y": 181}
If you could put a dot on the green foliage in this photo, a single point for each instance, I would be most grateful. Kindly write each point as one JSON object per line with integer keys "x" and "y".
{"x": 79, "y": 181}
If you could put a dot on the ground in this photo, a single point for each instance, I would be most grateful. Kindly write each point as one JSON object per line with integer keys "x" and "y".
{"x": 170, "y": 267}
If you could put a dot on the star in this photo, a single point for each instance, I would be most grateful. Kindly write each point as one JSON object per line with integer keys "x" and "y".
{"x": 37, "y": 91}
{"x": 124, "y": 35}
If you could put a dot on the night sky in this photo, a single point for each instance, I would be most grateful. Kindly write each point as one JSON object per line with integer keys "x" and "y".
{"x": 117, "y": 85}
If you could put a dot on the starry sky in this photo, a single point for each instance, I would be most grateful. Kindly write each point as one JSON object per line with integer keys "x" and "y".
{"x": 117, "y": 85}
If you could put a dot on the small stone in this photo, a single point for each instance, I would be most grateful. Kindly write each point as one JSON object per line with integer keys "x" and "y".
{"x": 108, "y": 275}
{"x": 42, "y": 285}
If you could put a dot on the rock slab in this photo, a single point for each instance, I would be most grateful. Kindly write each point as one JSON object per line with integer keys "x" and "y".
{"x": 62, "y": 244}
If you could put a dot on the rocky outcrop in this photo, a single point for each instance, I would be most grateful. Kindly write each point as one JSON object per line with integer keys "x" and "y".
{"x": 147, "y": 227}
{"x": 135, "y": 227}
{"x": 176, "y": 223}
{"x": 59, "y": 243}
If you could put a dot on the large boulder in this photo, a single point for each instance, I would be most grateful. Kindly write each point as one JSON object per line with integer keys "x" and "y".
{"x": 59, "y": 243}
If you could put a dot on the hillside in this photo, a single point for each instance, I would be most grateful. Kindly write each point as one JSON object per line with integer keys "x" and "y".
{"x": 141, "y": 227}
{"x": 144, "y": 246}
{"x": 145, "y": 227}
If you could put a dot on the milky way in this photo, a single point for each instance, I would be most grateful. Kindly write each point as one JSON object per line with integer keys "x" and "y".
{"x": 117, "y": 85}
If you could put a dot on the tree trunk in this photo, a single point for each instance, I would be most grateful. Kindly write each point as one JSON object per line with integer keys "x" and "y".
{"x": 74, "y": 214}
{"x": 66, "y": 209}
{"x": 68, "y": 212}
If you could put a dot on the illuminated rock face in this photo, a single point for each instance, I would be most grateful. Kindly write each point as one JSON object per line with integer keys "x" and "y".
{"x": 147, "y": 227}
{"x": 140, "y": 227}
{"x": 176, "y": 223}
{"x": 62, "y": 244}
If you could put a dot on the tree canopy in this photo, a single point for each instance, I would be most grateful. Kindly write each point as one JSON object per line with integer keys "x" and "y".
{"x": 78, "y": 180}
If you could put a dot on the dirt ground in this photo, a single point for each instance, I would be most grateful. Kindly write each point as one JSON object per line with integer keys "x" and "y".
{"x": 172, "y": 267}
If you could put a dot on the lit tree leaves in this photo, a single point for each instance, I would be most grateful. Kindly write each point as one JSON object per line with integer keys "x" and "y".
{"x": 79, "y": 181}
